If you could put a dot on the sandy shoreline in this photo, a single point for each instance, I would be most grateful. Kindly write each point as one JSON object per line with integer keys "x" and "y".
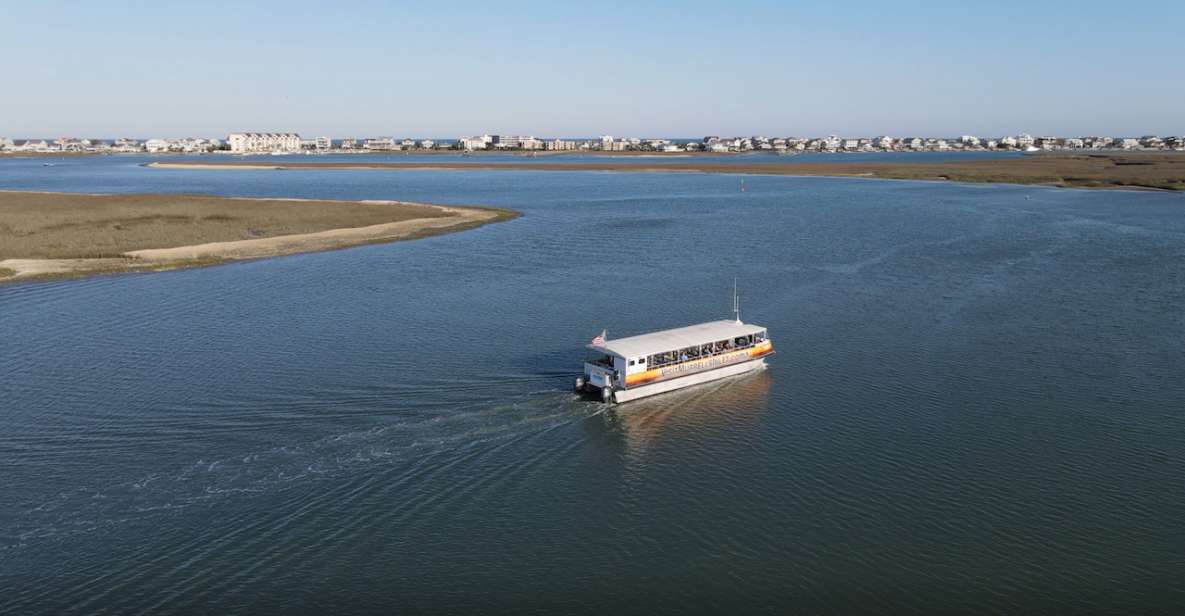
{"x": 1154, "y": 171}
{"x": 407, "y": 221}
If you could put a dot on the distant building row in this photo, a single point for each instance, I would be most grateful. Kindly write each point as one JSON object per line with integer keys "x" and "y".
{"x": 264, "y": 143}
{"x": 186, "y": 145}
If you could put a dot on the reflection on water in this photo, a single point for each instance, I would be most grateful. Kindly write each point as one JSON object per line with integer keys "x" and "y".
{"x": 734, "y": 404}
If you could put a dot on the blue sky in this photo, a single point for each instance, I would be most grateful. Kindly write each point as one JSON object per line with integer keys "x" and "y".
{"x": 163, "y": 68}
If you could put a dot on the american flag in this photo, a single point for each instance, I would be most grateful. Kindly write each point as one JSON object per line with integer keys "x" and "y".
{"x": 599, "y": 340}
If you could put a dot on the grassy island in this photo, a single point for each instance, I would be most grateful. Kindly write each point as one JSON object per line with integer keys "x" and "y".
{"x": 57, "y": 234}
{"x": 1152, "y": 170}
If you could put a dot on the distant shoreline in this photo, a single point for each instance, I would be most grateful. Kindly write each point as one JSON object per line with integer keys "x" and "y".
{"x": 47, "y": 235}
{"x": 1146, "y": 171}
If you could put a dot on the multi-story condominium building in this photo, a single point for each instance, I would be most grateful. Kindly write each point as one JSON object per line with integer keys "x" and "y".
{"x": 6, "y": 143}
{"x": 323, "y": 143}
{"x": 515, "y": 142}
{"x": 381, "y": 144}
{"x": 244, "y": 143}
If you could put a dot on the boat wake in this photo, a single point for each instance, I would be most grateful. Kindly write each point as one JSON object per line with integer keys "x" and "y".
{"x": 395, "y": 440}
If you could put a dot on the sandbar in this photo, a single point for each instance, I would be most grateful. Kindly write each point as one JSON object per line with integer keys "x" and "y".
{"x": 50, "y": 235}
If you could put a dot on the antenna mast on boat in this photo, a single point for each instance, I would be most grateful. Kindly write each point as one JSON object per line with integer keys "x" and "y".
{"x": 736, "y": 301}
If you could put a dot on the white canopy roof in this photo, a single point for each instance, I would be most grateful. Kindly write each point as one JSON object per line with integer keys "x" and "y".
{"x": 675, "y": 339}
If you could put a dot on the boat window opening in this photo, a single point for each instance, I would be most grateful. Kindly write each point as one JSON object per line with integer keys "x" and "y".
{"x": 600, "y": 359}
{"x": 633, "y": 361}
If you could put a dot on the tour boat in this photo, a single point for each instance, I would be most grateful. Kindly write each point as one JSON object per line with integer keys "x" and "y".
{"x": 638, "y": 366}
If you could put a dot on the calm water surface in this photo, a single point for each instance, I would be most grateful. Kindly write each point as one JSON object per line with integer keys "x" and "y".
{"x": 976, "y": 406}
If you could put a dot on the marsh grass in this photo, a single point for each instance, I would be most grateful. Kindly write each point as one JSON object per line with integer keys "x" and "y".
{"x": 67, "y": 226}
{"x": 1157, "y": 170}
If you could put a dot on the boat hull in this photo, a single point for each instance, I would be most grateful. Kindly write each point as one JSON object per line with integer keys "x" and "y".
{"x": 643, "y": 391}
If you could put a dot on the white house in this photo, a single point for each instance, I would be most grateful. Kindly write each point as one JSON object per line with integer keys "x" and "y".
{"x": 476, "y": 143}
{"x": 33, "y": 145}
{"x": 245, "y": 143}
{"x": 1048, "y": 142}
{"x": 71, "y": 144}
{"x": 127, "y": 145}
{"x": 6, "y": 143}
{"x": 380, "y": 144}
{"x": 1152, "y": 142}
{"x": 157, "y": 145}
{"x": 191, "y": 144}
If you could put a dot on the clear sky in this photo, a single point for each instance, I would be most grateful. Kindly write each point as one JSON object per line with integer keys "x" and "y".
{"x": 443, "y": 69}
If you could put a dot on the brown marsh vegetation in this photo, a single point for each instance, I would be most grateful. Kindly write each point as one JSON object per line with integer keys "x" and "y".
{"x": 44, "y": 235}
{"x": 71, "y": 226}
{"x": 1152, "y": 170}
